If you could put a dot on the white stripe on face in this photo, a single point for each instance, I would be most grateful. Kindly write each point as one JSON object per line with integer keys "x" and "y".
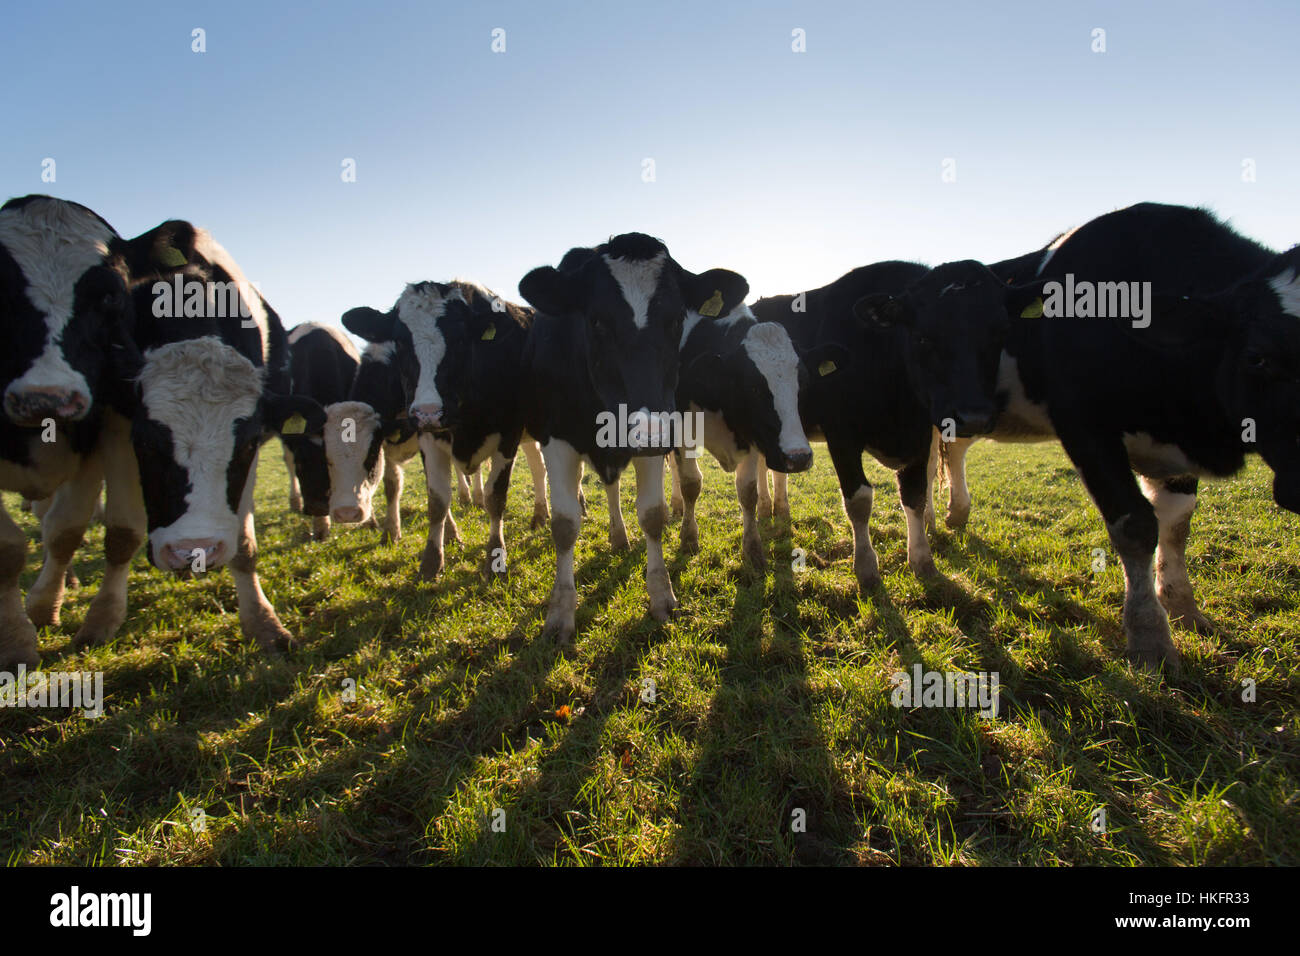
{"x": 1287, "y": 286}
{"x": 351, "y": 486}
{"x": 637, "y": 279}
{"x": 212, "y": 250}
{"x": 198, "y": 388}
{"x": 420, "y": 310}
{"x": 53, "y": 243}
{"x": 769, "y": 347}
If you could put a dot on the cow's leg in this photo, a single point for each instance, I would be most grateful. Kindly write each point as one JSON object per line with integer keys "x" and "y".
{"x": 858, "y": 495}
{"x": 125, "y": 530}
{"x": 687, "y": 482}
{"x": 781, "y": 495}
{"x": 320, "y": 527}
{"x": 764, "y": 496}
{"x": 437, "y": 476}
{"x": 913, "y": 487}
{"x": 496, "y": 490}
{"x": 295, "y": 490}
{"x": 563, "y": 473}
{"x": 62, "y": 528}
{"x": 751, "y": 544}
{"x": 533, "y": 455}
{"x": 1174, "y": 500}
{"x": 394, "y": 479}
{"x": 652, "y": 516}
{"x": 618, "y": 530}
{"x": 17, "y": 634}
{"x": 582, "y": 497}
{"x": 257, "y": 618}
{"x": 954, "y": 465}
{"x": 1134, "y": 533}
{"x": 931, "y": 469}
{"x": 462, "y": 487}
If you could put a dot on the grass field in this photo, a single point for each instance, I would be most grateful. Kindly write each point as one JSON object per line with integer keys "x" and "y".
{"x": 771, "y": 739}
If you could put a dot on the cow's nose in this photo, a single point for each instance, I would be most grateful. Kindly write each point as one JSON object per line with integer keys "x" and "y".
{"x": 29, "y": 406}
{"x": 186, "y": 555}
{"x": 428, "y": 415}
{"x": 347, "y": 515}
{"x": 798, "y": 460}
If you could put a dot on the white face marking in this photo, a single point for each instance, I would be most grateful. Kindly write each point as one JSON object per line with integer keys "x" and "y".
{"x": 1287, "y": 286}
{"x": 198, "y": 388}
{"x": 768, "y": 346}
{"x": 212, "y": 250}
{"x": 637, "y": 279}
{"x": 351, "y": 486}
{"x": 420, "y": 310}
{"x": 53, "y": 243}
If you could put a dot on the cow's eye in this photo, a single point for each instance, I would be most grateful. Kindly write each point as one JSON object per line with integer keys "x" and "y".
{"x": 1257, "y": 362}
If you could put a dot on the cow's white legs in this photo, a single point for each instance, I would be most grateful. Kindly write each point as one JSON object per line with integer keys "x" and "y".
{"x": 618, "y": 530}
{"x": 437, "y": 476}
{"x": 295, "y": 490}
{"x": 563, "y": 471}
{"x": 653, "y": 516}
{"x": 62, "y": 527}
{"x": 17, "y": 634}
{"x": 1174, "y": 506}
{"x": 494, "y": 502}
{"x": 780, "y": 494}
{"x": 462, "y": 487}
{"x": 913, "y": 487}
{"x": 687, "y": 482}
{"x": 676, "y": 499}
{"x": 394, "y": 479}
{"x": 954, "y": 456}
{"x": 751, "y": 544}
{"x": 764, "y": 496}
{"x": 257, "y": 618}
{"x": 125, "y": 530}
{"x": 931, "y": 469}
{"x": 533, "y": 455}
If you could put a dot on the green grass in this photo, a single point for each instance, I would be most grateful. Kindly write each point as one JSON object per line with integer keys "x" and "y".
{"x": 772, "y": 697}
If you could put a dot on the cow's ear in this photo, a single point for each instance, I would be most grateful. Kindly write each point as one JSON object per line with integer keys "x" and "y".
{"x": 1025, "y": 301}
{"x": 293, "y": 415}
{"x": 370, "y": 324}
{"x": 886, "y": 311}
{"x": 548, "y": 290}
{"x": 715, "y": 292}
{"x": 163, "y": 250}
{"x": 824, "y": 359}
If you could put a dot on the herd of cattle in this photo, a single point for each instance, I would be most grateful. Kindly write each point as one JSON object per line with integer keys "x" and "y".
{"x": 152, "y": 367}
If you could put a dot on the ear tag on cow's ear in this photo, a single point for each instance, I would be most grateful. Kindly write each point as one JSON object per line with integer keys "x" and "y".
{"x": 295, "y": 424}
{"x": 713, "y": 307}
{"x": 1033, "y": 310}
{"x": 394, "y": 436}
{"x": 172, "y": 257}
{"x": 490, "y": 332}
{"x": 826, "y": 367}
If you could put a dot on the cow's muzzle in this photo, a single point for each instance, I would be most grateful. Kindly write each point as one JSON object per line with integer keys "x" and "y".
{"x": 30, "y": 407}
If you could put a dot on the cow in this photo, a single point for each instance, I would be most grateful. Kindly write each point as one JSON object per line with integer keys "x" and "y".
{"x": 1183, "y": 387}
{"x": 742, "y": 378}
{"x": 602, "y": 361}
{"x": 858, "y": 398}
{"x": 457, "y": 349}
{"x": 204, "y": 385}
{"x": 64, "y": 298}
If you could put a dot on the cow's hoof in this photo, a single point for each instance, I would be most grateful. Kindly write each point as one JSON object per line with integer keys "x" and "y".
{"x": 295, "y": 505}
{"x": 43, "y": 611}
{"x": 541, "y": 518}
{"x": 431, "y": 565}
{"x": 560, "y": 616}
{"x": 582, "y": 502}
{"x": 70, "y": 580}
{"x": 18, "y": 644}
{"x": 391, "y": 536}
{"x": 1153, "y": 657}
{"x": 662, "y": 600}
{"x": 1194, "y": 620}
{"x": 690, "y": 540}
{"x": 618, "y": 540}
{"x": 957, "y": 517}
{"x": 866, "y": 568}
{"x": 679, "y": 508}
{"x": 925, "y": 569}
{"x": 753, "y": 551}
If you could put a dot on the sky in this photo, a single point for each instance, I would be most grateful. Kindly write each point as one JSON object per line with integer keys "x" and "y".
{"x": 924, "y": 131}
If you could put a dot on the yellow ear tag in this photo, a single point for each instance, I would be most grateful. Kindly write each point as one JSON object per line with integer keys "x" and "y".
{"x": 395, "y": 435}
{"x": 172, "y": 257}
{"x": 1033, "y": 310}
{"x": 490, "y": 333}
{"x": 826, "y": 367}
{"x": 295, "y": 424}
{"x": 713, "y": 306}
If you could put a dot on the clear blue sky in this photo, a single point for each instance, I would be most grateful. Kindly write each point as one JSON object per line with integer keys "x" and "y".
{"x": 789, "y": 167}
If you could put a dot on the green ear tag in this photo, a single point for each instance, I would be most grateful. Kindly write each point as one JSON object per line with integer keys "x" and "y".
{"x": 490, "y": 333}
{"x": 1033, "y": 310}
{"x": 394, "y": 436}
{"x": 295, "y": 424}
{"x": 826, "y": 367}
{"x": 172, "y": 257}
{"x": 713, "y": 306}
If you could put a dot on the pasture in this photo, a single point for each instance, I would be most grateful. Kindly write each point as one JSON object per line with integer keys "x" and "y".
{"x": 771, "y": 696}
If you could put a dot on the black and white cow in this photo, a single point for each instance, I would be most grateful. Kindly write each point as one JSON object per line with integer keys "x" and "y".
{"x": 1182, "y": 384}
{"x": 323, "y": 365}
{"x": 458, "y": 351}
{"x": 63, "y": 302}
{"x": 858, "y": 398}
{"x": 605, "y": 345}
{"x": 742, "y": 377}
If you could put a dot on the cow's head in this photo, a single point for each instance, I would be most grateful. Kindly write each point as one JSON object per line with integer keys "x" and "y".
{"x": 756, "y": 387}
{"x": 956, "y": 318}
{"x": 626, "y": 301}
{"x": 64, "y": 304}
